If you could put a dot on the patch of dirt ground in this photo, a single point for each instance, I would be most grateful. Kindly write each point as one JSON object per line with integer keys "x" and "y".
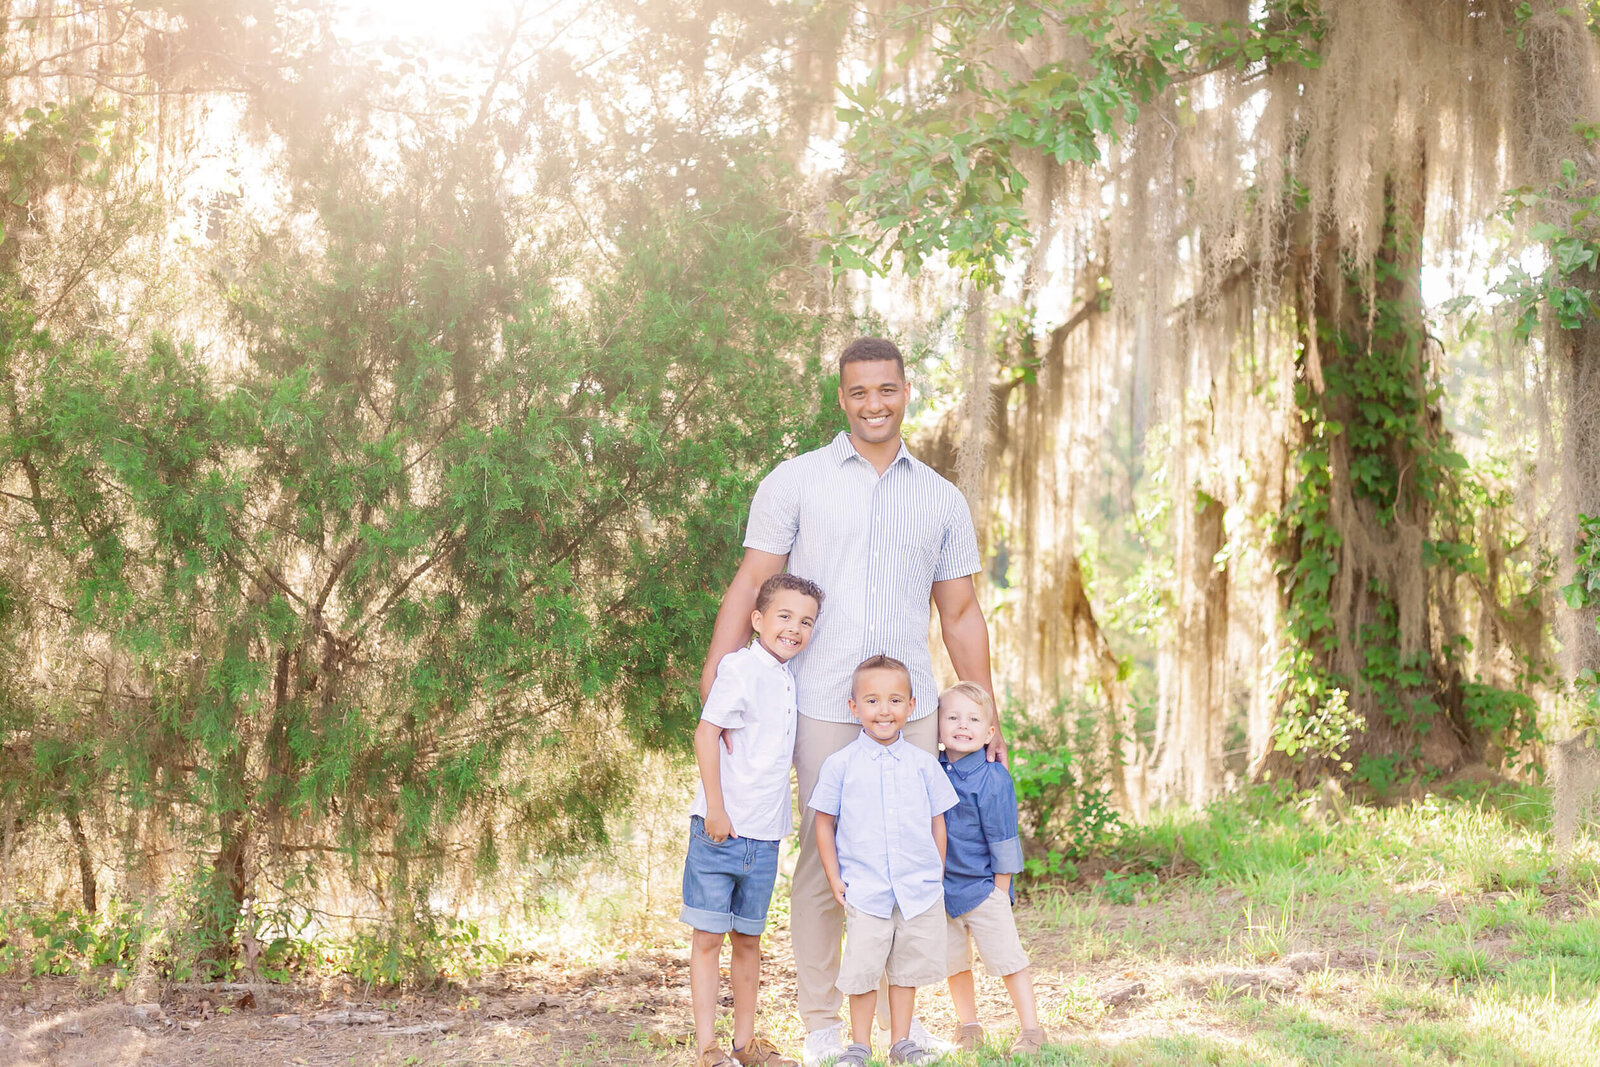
{"x": 634, "y": 1011}
{"x": 627, "y": 1011}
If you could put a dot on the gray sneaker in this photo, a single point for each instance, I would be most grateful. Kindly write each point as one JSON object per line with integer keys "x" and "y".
{"x": 856, "y": 1055}
{"x": 908, "y": 1051}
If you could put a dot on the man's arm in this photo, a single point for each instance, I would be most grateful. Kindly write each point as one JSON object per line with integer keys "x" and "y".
{"x": 732, "y": 629}
{"x": 966, "y": 638}
{"x": 829, "y": 851}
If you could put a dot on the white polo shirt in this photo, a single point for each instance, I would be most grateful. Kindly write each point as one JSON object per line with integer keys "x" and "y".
{"x": 754, "y": 696}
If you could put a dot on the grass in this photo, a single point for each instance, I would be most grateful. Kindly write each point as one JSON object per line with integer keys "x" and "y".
{"x": 1439, "y": 932}
{"x": 1443, "y": 931}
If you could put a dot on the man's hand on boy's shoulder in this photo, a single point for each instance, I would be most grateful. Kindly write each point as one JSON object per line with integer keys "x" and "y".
{"x": 996, "y": 748}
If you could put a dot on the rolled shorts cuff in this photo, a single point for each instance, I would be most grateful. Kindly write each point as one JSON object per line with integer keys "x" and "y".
{"x": 727, "y": 885}
{"x": 711, "y": 922}
{"x": 749, "y": 927}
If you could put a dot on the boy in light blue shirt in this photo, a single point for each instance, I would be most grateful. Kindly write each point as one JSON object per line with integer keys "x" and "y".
{"x": 880, "y": 805}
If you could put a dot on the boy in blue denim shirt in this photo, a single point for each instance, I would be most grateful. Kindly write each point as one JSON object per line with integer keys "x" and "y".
{"x": 740, "y": 814}
{"x": 982, "y": 854}
{"x": 880, "y": 804}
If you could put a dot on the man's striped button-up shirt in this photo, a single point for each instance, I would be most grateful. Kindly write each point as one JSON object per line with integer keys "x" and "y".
{"x": 875, "y": 544}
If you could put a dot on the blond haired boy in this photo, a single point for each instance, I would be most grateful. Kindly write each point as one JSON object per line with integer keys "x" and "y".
{"x": 983, "y": 851}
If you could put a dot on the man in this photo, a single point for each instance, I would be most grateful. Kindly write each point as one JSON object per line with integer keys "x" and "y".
{"x": 881, "y": 533}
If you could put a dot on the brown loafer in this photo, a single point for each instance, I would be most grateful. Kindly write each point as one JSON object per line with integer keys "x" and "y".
{"x": 968, "y": 1037}
{"x": 1029, "y": 1041}
{"x": 763, "y": 1052}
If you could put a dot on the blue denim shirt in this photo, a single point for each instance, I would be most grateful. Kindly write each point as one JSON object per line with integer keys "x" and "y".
{"x": 981, "y": 831}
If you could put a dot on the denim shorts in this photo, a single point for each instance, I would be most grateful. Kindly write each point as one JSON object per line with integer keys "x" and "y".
{"x": 728, "y": 885}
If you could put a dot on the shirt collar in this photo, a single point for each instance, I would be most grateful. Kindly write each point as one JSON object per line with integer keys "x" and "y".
{"x": 967, "y": 765}
{"x": 895, "y": 748}
{"x": 765, "y": 658}
{"x": 841, "y": 450}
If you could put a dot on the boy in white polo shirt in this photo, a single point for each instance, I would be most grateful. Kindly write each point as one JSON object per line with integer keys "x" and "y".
{"x": 740, "y": 814}
{"x": 880, "y": 804}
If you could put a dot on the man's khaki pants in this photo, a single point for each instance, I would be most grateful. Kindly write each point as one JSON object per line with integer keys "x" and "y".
{"x": 816, "y": 922}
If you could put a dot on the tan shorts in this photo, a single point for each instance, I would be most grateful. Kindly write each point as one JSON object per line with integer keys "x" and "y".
{"x": 907, "y": 951}
{"x": 994, "y": 929}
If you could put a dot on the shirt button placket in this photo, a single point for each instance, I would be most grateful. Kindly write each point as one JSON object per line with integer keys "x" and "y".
{"x": 872, "y": 566}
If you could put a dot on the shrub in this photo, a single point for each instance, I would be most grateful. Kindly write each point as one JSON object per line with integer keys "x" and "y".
{"x": 1063, "y": 809}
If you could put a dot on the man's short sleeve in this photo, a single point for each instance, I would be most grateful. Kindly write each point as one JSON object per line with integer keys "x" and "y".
{"x": 725, "y": 704}
{"x": 958, "y": 555}
{"x": 941, "y": 794}
{"x": 997, "y": 816}
{"x": 828, "y": 796}
{"x": 775, "y": 512}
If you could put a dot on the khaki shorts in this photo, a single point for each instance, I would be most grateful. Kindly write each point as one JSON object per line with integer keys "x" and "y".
{"x": 994, "y": 929}
{"x": 907, "y": 951}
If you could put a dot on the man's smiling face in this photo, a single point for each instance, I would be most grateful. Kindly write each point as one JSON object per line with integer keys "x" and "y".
{"x": 873, "y": 396}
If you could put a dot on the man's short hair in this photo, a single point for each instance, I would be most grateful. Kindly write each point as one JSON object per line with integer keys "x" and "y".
{"x": 785, "y": 580}
{"x": 871, "y": 350}
{"x": 880, "y": 662}
{"x": 978, "y": 695}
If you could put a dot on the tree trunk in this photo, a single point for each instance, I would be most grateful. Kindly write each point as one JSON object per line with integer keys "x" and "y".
{"x": 229, "y": 882}
{"x": 1360, "y": 552}
{"x": 80, "y": 843}
{"x": 1195, "y": 707}
{"x": 1561, "y": 84}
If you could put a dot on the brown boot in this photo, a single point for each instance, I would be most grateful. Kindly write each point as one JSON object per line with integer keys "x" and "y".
{"x": 1029, "y": 1041}
{"x": 715, "y": 1057}
{"x": 968, "y": 1037}
{"x": 763, "y": 1052}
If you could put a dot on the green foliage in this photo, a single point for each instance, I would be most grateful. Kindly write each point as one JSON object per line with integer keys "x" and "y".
{"x": 1582, "y": 593}
{"x": 1508, "y": 718}
{"x": 1246, "y": 837}
{"x": 1118, "y": 887}
{"x": 1565, "y": 219}
{"x": 1315, "y": 721}
{"x": 1374, "y": 420}
{"x": 938, "y": 172}
{"x": 70, "y": 941}
{"x": 397, "y": 571}
{"x": 112, "y": 942}
{"x": 444, "y": 950}
{"x": 1064, "y": 810}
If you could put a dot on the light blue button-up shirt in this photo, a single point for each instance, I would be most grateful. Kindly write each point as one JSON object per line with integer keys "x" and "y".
{"x": 884, "y": 798}
{"x": 875, "y": 544}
